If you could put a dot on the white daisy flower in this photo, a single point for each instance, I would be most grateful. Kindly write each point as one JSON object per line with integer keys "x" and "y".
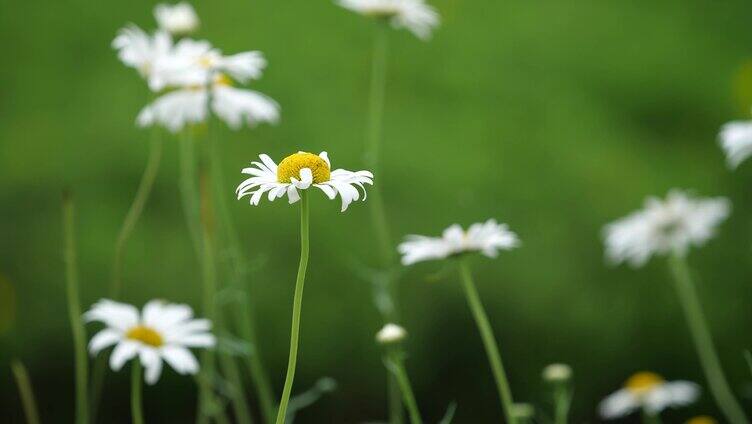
{"x": 649, "y": 392}
{"x": 177, "y": 19}
{"x": 161, "y": 331}
{"x": 194, "y": 62}
{"x": 414, "y": 15}
{"x": 557, "y": 373}
{"x": 301, "y": 171}
{"x": 736, "y": 141}
{"x": 391, "y": 333}
{"x": 151, "y": 55}
{"x": 235, "y": 106}
{"x": 665, "y": 226}
{"x": 487, "y": 238}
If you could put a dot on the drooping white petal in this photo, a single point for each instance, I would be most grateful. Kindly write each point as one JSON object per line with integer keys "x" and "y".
{"x": 152, "y": 364}
{"x": 618, "y": 404}
{"x": 104, "y": 339}
{"x": 123, "y": 352}
{"x": 236, "y": 106}
{"x": 180, "y": 359}
{"x": 736, "y": 141}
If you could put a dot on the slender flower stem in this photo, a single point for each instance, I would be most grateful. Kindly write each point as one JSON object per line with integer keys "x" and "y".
{"x": 561, "y": 403}
{"x": 137, "y": 413}
{"x": 296, "y": 307}
{"x": 134, "y": 212}
{"x": 486, "y": 333}
{"x": 25, "y": 391}
{"x": 239, "y": 405}
{"x": 188, "y": 191}
{"x": 378, "y": 210}
{"x": 74, "y": 311}
{"x": 703, "y": 341}
{"x": 396, "y": 365}
{"x": 245, "y": 318}
{"x": 650, "y": 417}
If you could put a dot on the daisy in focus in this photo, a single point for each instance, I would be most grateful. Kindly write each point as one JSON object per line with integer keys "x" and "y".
{"x": 664, "y": 226}
{"x": 414, "y": 15}
{"x": 486, "y": 238}
{"x": 162, "y": 331}
{"x": 650, "y": 393}
{"x": 736, "y": 140}
{"x": 177, "y": 19}
{"x": 301, "y": 171}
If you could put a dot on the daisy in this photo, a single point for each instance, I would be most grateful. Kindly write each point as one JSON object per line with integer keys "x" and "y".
{"x": 177, "y": 19}
{"x": 665, "y": 226}
{"x": 486, "y": 238}
{"x": 391, "y": 333}
{"x": 649, "y": 392}
{"x": 301, "y": 171}
{"x": 414, "y": 15}
{"x": 736, "y": 141}
{"x": 160, "y": 331}
{"x": 150, "y": 55}
{"x": 190, "y": 105}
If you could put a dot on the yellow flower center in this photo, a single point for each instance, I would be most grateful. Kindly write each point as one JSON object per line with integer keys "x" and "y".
{"x": 222, "y": 79}
{"x": 704, "y": 419}
{"x": 290, "y": 167}
{"x": 643, "y": 382}
{"x": 145, "y": 335}
{"x": 384, "y": 12}
{"x": 205, "y": 61}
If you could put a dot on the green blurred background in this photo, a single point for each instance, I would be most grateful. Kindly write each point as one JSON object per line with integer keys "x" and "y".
{"x": 555, "y": 117}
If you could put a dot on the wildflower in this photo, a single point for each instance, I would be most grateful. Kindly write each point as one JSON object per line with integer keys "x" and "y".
{"x": 234, "y": 106}
{"x": 414, "y": 15}
{"x": 391, "y": 333}
{"x": 161, "y": 331}
{"x": 486, "y": 238}
{"x": 301, "y": 171}
{"x": 557, "y": 373}
{"x": 177, "y": 19}
{"x": 665, "y": 226}
{"x": 649, "y": 392}
{"x": 148, "y": 54}
{"x": 736, "y": 141}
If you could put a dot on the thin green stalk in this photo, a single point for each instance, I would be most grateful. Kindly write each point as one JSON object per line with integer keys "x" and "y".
{"x": 134, "y": 212}
{"x": 237, "y": 394}
{"x": 650, "y": 417}
{"x": 25, "y": 391}
{"x": 378, "y": 210}
{"x": 188, "y": 191}
{"x": 245, "y": 318}
{"x": 137, "y": 413}
{"x": 396, "y": 365}
{"x": 296, "y": 308}
{"x": 703, "y": 342}
{"x": 74, "y": 311}
{"x": 489, "y": 341}
{"x": 561, "y": 403}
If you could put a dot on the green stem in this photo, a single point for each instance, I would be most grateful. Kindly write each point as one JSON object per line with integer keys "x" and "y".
{"x": 25, "y": 391}
{"x": 137, "y": 413}
{"x": 703, "y": 341}
{"x": 134, "y": 212}
{"x": 188, "y": 191}
{"x": 74, "y": 310}
{"x": 561, "y": 403}
{"x": 378, "y": 210}
{"x": 489, "y": 342}
{"x": 237, "y": 394}
{"x": 245, "y": 318}
{"x": 397, "y": 366}
{"x": 296, "y": 308}
{"x": 650, "y": 418}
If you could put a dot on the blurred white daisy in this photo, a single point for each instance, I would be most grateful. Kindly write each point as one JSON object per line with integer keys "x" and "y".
{"x": 235, "y": 106}
{"x": 193, "y": 62}
{"x": 665, "y": 226}
{"x": 487, "y": 238}
{"x": 301, "y": 171}
{"x": 391, "y": 333}
{"x": 177, "y": 19}
{"x": 150, "y": 55}
{"x": 163, "y": 331}
{"x": 649, "y": 392}
{"x": 414, "y": 15}
{"x": 736, "y": 141}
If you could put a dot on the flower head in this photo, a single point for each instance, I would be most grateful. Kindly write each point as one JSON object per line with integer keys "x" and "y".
{"x": 736, "y": 141}
{"x": 391, "y": 333}
{"x": 487, "y": 238}
{"x": 177, "y": 19}
{"x": 650, "y": 392}
{"x": 150, "y": 55}
{"x": 301, "y": 171}
{"x": 557, "y": 373}
{"x": 415, "y": 15}
{"x": 160, "y": 331}
{"x": 664, "y": 226}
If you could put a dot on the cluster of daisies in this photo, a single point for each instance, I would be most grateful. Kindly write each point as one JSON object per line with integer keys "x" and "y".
{"x": 192, "y": 79}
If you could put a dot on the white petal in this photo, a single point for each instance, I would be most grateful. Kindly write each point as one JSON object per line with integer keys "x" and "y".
{"x": 618, "y": 404}
{"x": 123, "y": 352}
{"x": 104, "y": 339}
{"x": 152, "y": 364}
{"x": 113, "y": 314}
{"x": 180, "y": 359}
{"x": 292, "y": 194}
